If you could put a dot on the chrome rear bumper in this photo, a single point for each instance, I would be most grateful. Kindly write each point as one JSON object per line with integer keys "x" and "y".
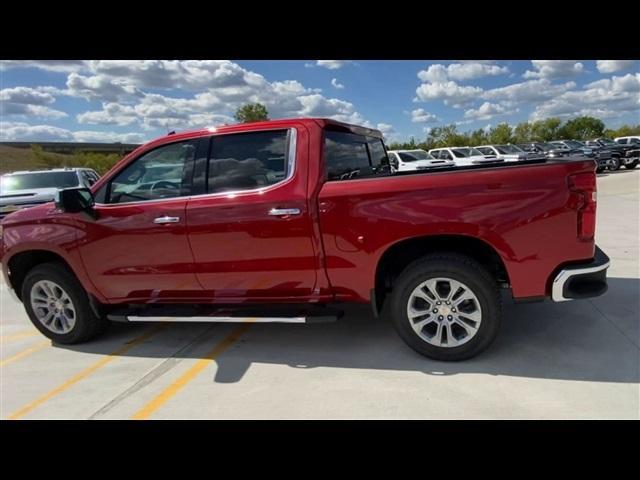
{"x": 583, "y": 280}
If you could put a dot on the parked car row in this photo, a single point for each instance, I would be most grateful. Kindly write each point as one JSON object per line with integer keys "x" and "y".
{"x": 34, "y": 187}
{"x": 609, "y": 154}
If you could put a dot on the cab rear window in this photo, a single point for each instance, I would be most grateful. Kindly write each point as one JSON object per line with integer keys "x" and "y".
{"x": 348, "y": 156}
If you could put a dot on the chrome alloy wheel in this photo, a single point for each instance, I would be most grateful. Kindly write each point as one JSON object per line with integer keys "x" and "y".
{"x": 444, "y": 312}
{"x": 53, "y": 306}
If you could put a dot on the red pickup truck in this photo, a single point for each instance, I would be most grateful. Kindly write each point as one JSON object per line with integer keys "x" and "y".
{"x": 287, "y": 220}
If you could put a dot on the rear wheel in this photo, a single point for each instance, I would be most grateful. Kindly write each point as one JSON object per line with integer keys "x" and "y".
{"x": 58, "y": 306}
{"x": 631, "y": 165}
{"x": 446, "y": 307}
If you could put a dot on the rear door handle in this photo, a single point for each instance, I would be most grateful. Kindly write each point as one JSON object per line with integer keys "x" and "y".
{"x": 165, "y": 219}
{"x": 281, "y": 212}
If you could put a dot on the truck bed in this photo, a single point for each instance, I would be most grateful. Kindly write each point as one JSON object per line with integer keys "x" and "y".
{"x": 522, "y": 210}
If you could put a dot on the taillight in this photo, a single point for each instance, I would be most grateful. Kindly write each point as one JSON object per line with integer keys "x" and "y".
{"x": 584, "y": 185}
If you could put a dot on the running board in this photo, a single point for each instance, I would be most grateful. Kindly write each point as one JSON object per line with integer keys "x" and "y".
{"x": 323, "y": 319}
{"x": 232, "y": 314}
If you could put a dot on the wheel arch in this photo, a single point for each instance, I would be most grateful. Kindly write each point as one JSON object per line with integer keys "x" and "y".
{"x": 401, "y": 254}
{"x": 21, "y": 263}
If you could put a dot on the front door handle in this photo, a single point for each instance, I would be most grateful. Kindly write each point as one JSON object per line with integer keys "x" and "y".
{"x": 281, "y": 212}
{"x": 165, "y": 219}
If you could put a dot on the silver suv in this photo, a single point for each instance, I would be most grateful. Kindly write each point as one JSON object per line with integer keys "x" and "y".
{"x": 29, "y": 188}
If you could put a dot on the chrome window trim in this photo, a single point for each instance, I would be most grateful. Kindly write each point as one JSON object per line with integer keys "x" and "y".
{"x": 291, "y": 165}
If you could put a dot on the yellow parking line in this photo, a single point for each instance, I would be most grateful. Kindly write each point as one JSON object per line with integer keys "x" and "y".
{"x": 193, "y": 372}
{"x": 24, "y": 353}
{"x": 16, "y": 336}
{"x": 86, "y": 372}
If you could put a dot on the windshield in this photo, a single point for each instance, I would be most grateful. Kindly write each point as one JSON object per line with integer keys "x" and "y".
{"x": 413, "y": 155}
{"x": 547, "y": 146}
{"x": 506, "y": 149}
{"x": 606, "y": 141}
{"x": 573, "y": 144}
{"x": 466, "y": 152}
{"x": 30, "y": 181}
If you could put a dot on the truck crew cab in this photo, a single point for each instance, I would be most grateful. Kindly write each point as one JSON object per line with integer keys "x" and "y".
{"x": 290, "y": 220}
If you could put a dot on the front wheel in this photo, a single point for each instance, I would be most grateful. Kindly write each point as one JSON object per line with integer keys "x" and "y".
{"x": 58, "y": 306}
{"x": 446, "y": 307}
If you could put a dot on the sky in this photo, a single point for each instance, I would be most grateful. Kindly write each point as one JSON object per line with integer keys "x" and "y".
{"x": 135, "y": 101}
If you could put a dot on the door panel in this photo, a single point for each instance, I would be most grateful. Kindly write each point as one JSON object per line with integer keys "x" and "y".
{"x": 128, "y": 255}
{"x": 136, "y": 246}
{"x": 243, "y": 250}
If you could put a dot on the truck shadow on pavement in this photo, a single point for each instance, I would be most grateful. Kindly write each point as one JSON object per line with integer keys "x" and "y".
{"x": 590, "y": 340}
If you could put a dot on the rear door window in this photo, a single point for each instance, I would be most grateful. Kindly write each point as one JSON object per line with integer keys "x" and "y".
{"x": 346, "y": 156}
{"x": 246, "y": 161}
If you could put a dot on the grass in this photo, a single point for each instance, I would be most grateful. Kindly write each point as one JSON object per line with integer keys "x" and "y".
{"x": 12, "y": 159}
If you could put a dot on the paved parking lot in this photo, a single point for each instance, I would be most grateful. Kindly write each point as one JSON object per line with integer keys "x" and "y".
{"x": 570, "y": 360}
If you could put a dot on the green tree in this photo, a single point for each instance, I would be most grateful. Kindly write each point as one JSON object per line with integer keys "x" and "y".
{"x": 623, "y": 131}
{"x": 251, "y": 112}
{"x": 582, "y": 128}
{"x": 478, "y": 137}
{"x": 545, "y": 130}
{"x": 500, "y": 134}
{"x": 522, "y": 133}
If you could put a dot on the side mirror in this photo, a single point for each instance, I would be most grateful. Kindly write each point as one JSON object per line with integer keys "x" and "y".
{"x": 73, "y": 200}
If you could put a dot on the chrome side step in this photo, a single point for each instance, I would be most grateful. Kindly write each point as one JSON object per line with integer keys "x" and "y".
{"x": 213, "y": 319}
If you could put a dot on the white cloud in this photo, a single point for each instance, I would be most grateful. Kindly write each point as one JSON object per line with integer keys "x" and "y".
{"x": 468, "y": 71}
{"x": 420, "y": 115}
{"x": 606, "y": 98}
{"x": 336, "y": 84}
{"x": 221, "y": 87}
{"x": 108, "y": 137}
{"x": 100, "y": 87}
{"x": 332, "y": 64}
{"x": 27, "y": 101}
{"x": 439, "y": 82}
{"x": 438, "y": 73}
{"x": 316, "y": 105}
{"x": 20, "y": 131}
{"x": 554, "y": 69}
{"x": 111, "y": 114}
{"x": 388, "y": 131}
{"x": 62, "y": 66}
{"x": 487, "y": 111}
{"x": 25, "y": 95}
{"x": 611, "y": 66}
{"x": 450, "y": 92}
{"x": 528, "y": 91}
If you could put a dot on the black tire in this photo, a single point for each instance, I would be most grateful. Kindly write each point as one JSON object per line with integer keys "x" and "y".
{"x": 460, "y": 268}
{"x": 631, "y": 165}
{"x": 87, "y": 324}
{"x": 615, "y": 164}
